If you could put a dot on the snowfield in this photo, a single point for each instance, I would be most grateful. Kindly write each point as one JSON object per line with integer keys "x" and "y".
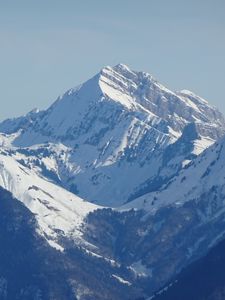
{"x": 56, "y": 209}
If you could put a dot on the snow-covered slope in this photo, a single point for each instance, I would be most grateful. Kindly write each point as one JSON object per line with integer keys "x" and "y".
{"x": 58, "y": 212}
{"x": 116, "y": 127}
{"x": 206, "y": 173}
{"x": 162, "y": 232}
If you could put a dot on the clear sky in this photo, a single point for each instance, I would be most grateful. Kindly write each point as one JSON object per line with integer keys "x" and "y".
{"x": 49, "y": 46}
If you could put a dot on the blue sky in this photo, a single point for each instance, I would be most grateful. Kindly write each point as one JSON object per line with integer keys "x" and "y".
{"x": 47, "y": 47}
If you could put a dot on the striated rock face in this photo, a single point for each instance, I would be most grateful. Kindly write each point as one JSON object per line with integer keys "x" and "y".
{"x": 127, "y": 93}
{"x": 115, "y": 129}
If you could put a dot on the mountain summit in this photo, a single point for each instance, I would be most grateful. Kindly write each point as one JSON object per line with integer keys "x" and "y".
{"x": 116, "y": 126}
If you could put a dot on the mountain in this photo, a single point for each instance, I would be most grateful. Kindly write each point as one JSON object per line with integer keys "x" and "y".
{"x": 124, "y": 180}
{"x": 115, "y": 129}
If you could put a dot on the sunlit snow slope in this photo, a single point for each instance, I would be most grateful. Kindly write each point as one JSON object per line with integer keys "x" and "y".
{"x": 59, "y": 212}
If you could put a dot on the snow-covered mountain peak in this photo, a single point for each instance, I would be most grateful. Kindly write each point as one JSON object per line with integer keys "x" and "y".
{"x": 141, "y": 91}
{"x": 121, "y": 76}
{"x": 121, "y": 67}
{"x": 121, "y": 89}
{"x": 116, "y": 125}
{"x": 118, "y": 84}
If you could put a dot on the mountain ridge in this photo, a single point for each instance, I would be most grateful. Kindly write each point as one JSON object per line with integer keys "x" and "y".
{"x": 119, "y": 122}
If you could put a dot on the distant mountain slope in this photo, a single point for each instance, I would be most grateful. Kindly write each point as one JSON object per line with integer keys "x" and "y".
{"x": 204, "y": 174}
{"x": 59, "y": 213}
{"x": 202, "y": 280}
{"x": 116, "y": 126}
{"x": 32, "y": 270}
{"x": 162, "y": 232}
{"x": 140, "y": 250}
{"x": 29, "y": 267}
